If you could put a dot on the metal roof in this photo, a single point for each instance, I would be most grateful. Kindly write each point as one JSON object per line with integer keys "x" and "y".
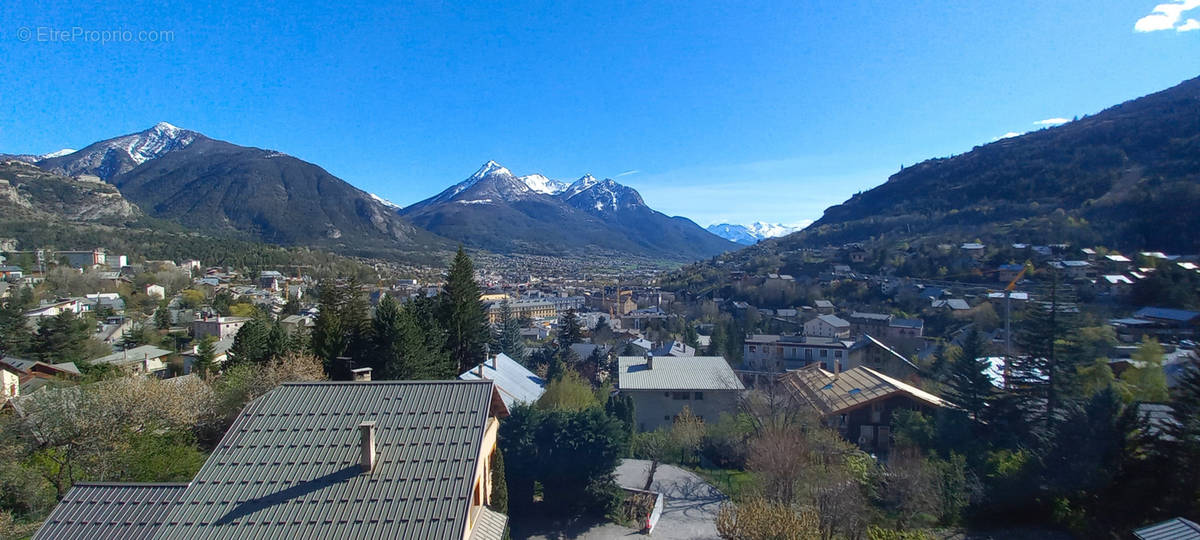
{"x": 289, "y": 465}
{"x": 489, "y": 525}
{"x": 134, "y": 355}
{"x": 1181, "y": 315}
{"x": 515, "y": 382}
{"x": 838, "y": 393}
{"x": 870, "y": 316}
{"x": 677, "y": 373}
{"x": 1171, "y": 529}
{"x": 103, "y": 510}
{"x": 834, "y": 321}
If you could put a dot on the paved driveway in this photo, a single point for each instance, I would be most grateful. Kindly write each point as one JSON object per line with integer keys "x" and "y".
{"x": 689, "y": 512}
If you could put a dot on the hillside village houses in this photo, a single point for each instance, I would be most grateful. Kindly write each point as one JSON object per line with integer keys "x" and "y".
{"x": 662, "y": 386}
{"x": 854, "y": 363}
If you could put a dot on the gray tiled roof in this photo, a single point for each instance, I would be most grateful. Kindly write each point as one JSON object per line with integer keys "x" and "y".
{"x": 289, "y": 465}
{"x": 677, "y": 373}
{"x": 126, "y": 511}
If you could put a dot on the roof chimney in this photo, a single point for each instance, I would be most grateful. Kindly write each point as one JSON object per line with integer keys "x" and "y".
{"x": 649, "y": 360}
{"x": 366, "y": 432}
{"x": 495, "y": 361}
{"x": 362, "y": 374}
{"x": 479, "y": 370}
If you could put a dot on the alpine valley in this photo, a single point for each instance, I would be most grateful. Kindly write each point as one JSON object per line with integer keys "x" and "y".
{"x": 217, "y": 187}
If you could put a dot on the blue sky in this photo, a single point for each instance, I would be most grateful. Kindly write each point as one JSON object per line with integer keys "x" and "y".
{"x": 723, "y": 112}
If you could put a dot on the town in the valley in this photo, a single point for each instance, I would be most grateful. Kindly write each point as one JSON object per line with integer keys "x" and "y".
{"x": 674, "y": 382}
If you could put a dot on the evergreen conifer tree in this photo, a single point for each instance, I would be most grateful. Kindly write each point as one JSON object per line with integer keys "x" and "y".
{"x": 508, "y": 338}
{"x": 341, "y": 328}
{"x": 462, "y": 314}
{"x": 403, "y": 349}
{"x": 967, "y": 381}
{"x": 205, "y": 355}
{"x": 1046, "y": 374}
{"x": 570, "y": 330}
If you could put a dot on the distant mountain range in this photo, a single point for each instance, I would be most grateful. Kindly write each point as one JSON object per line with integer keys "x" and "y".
{"x": 215, "y": 186}
{"x": 751, "y": 234}
{"x": 496, "y": 210}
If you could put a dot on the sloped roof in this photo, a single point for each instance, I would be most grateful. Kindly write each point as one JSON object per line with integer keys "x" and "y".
{"x": 870, "y": 316}
{"x": 489, "y": 525}
{"x": 838, "y": 393}
{"x": 907, "y": 323}
{"x": 674, "y": 348}
{"x": 677, "y": 373}
{"x": 110, "y": 510}
{"x": 515, "y": 382}
{"x": 133, "y": 356}
{"x": 1171, "y": 529}
{"x": 834, "y": 321}
{"x": 289, "y": 465}
{"x": 868, "y": 340}
{"x": 1181, "y": 315}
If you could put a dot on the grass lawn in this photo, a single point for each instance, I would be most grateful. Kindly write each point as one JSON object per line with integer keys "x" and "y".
{"x": 732, "y": 482}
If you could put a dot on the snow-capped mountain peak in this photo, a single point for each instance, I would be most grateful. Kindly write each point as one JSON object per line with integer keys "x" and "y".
{"x": 112, "y": 157}
{"x": 579, "y": 186}
{"x": 156, "y": 141}
{"x": 59, "y": 153}
{"x": 542, "y": 184}
{"x": 751, "y": 234}
{"x": 488, "y": 169}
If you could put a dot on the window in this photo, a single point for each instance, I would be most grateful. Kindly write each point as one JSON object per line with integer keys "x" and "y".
{"x": 680, "y": 395}
{"x": 752, "y": 348}
{"x": 666, "y": 394}
{"x": 824, "y": 353}
{"x": 698, "y": 396}
{"x": 837, "y": 354}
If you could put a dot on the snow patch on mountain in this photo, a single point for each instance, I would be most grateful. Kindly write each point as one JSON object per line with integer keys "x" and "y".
{"x": 154, "y": 142}
{"x": 579, "y": 186}
{"x": 542, "y": 184}
{"x": 384, "y": 201}
{"x": 59, "y": 153}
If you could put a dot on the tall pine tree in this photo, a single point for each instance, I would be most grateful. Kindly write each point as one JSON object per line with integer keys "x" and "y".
{"x": 403, "y": 349}
{"x": 1046, "y": 375}
{"x": 341, "y": 328}
{"x": 205, "y": 356}
{"x": 967, "y": 381}
{"x": 508, "y": 337}
{"x": 570, "y": 330}
{"x": 462, "y": 314}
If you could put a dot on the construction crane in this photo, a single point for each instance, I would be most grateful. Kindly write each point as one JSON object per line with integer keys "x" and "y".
{"x": 297, "y": 267}
{"x": 1008, "y": 318}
